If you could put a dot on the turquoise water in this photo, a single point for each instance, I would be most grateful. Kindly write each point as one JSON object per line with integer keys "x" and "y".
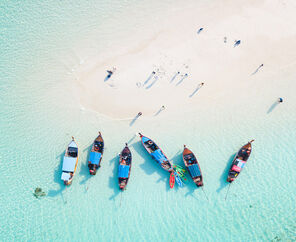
{"x": 39, "y": 46}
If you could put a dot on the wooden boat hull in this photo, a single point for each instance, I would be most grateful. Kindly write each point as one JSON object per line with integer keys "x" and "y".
{"x": 165, "y": 165}
{"x": 125, "y": 160}
{"x": 239, "y": 161}
{"x": 192, "y": 166}
{"x": 96, "y": 155}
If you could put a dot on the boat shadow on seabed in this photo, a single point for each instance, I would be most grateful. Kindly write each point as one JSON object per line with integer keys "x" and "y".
{"x": 223, "y": 182}
{"x": 83, "y": 170}
{"x": 57, "y": 178}
{"x": 113, "y": 181}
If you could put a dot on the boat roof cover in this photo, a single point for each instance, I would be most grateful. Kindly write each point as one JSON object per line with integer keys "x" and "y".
{"x": 95, "y": 157}
{"x": 69, "y": 164}
{"x": 73, "y": 144}
{"x": 240, "y": 165}
{"x": 194, "y": 170}
{"x": 65, "y": 176}
{"x": 158, "y": 156}
{"x": 123, "y": 171}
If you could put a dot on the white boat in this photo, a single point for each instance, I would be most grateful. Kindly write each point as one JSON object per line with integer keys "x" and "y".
{"x": 70, "y": 162}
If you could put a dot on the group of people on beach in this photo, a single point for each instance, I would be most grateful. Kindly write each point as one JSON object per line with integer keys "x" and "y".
{"x": 154, "y": 74}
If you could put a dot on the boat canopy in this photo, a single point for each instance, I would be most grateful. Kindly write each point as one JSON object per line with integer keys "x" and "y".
{"x": 123, "y": 171}
{"x": 69, "y": 164}
{"x": 95, "y": 157}
{"x": 65, "y": 176}
{"x": 159, "y": 156}
{"x": 194, "y": 170}
{"x": 240, "y": 165}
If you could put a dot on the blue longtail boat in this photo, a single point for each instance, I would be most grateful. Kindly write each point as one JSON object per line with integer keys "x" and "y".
{"x": 192, "y": 165}
{"x": 96, "y": 154}
{"x": 156, "y": 153}
{"x": 124, "y": 168}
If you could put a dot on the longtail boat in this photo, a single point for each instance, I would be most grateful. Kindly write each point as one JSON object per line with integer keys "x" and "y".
{"x": 70, "y": 162}
{"x": 124, "y": 168}
{"x": 156, "y": 153}
{"x": 239, "y": 161}
{"x": 192, "y": 165}
{"x": 96, "y": 154}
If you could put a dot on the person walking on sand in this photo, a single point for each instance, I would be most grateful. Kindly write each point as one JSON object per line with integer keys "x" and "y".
{"x": 110, "y": 73}
{"x": 162, "y": 108}
{"x": 198, "y": 87}
{"x": 257, "y": 69}
{"x": 280, "y": 100}
{"x": 139, "y": 114}
{"x": 198, "y": 32}
{"x": 236, "y": 43}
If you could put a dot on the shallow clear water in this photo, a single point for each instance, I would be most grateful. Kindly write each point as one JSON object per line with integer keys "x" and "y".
{"x": 38, "y": 46}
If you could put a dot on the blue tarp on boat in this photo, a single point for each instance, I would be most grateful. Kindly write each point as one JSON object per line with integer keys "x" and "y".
{"x": 95, "y": 157}
{"x": 194, "y": 170}
{"x": 158, "y": 156}
{"x": 144, "y": 139}
{"x": 123, "y": 171}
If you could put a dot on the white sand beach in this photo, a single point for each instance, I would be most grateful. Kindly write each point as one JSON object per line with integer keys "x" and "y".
{"x": 266, "y": 31}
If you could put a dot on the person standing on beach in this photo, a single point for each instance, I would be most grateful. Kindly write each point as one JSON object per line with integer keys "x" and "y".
{"x": 199, "y": 86}
{"x": 110, "y": 73}
{"x": 257, "y": 69}
{"x": 236, "y": 43}
{"x": 280, "y": 100}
